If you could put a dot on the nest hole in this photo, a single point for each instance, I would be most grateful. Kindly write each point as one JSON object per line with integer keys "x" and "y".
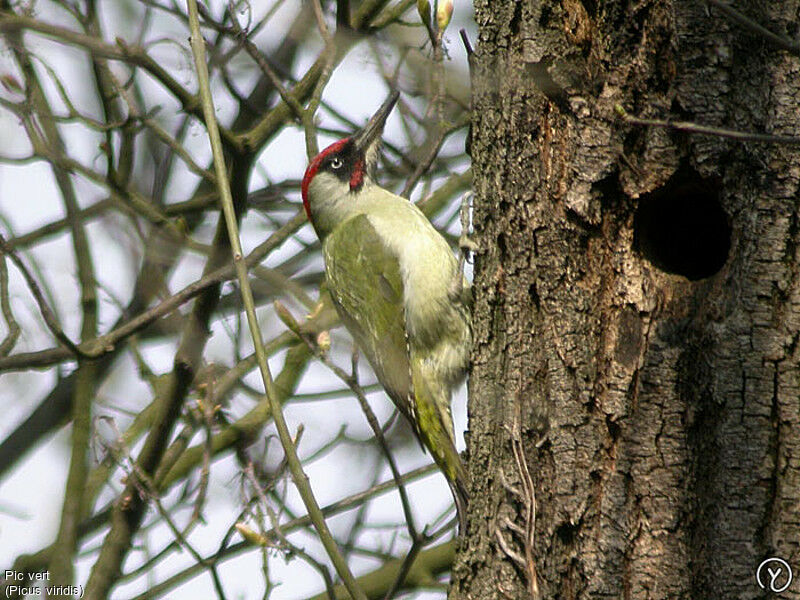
{"x": 681, "y": 228}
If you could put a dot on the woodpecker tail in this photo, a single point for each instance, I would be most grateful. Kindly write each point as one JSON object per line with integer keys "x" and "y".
{"x": 434, "y": 425}
{"x": 461, "y": 498}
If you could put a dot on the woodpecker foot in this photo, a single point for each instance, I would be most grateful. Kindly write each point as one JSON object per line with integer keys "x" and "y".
{"x": 467, "y": 244}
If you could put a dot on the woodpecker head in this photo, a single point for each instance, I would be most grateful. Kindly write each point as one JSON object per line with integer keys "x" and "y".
{"x": 343, "y": 169}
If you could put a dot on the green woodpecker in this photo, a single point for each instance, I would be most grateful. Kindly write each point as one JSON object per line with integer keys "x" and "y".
{"x": 397, "y": 288}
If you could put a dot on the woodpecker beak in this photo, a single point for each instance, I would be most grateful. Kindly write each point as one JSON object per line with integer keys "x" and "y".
{"x": 366, "y": 140}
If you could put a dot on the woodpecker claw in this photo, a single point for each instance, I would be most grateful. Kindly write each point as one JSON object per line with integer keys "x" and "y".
{"x": 467, "y": 244}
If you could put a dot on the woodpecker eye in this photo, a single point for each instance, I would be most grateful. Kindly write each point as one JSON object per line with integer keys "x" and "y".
{"x": 336, "y": 163}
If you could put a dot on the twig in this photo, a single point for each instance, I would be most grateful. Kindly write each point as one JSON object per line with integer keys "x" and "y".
{"x": 148, "y": 489}
{"x": 352, "y": 383}
{"x": 13, "y": 327}
{"x": 392, "y": 14}
{"x": 54, "y": 227}
{"x": 773, "y": 38}
{"x": 267, "y": 69}
{"x": 205, "y": 385}
{"x": 274, "y": 119}
{"x": 120, "y": 51}
{"x": 742, "y": 136}
{"x": 42, "y": 131}
{"x": 106, "y": 343}
{"x": 277, "y": 531}
{"x": 47, "y": 314}
{"x": 430, "y": 562}
{"x": 295, "y": 466}
{"x": 177, "y": 148}
{"x": 329, "y": 57}
{"x": 405, "y": 567}
{"x": 426, "y": 162}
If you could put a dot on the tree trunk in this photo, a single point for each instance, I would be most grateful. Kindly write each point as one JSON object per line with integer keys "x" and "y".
{"x": 635, "y": 396}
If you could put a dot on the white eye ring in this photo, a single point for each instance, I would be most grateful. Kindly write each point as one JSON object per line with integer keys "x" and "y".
{"x": 336, "y": 163}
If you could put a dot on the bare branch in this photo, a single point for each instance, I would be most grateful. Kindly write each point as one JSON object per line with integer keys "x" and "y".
{"x": 740, "y": 19}
{"x": 47, "y": 314}
{"x": 742, "y": 136}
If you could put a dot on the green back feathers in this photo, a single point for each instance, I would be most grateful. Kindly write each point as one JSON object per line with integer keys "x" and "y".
{"x": 366, "y": 286}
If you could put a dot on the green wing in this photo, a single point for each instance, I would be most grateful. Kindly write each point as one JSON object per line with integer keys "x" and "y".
{"x": 366, "y": 286}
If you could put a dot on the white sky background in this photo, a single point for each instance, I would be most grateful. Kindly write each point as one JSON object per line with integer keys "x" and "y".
{"x": 30, "y": 495}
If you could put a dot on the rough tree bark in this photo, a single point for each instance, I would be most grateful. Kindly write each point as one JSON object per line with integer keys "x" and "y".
{"x": 637, "y": 311}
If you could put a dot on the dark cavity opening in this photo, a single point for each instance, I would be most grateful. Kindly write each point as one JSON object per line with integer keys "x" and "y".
{"x": 681, "y": 227}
